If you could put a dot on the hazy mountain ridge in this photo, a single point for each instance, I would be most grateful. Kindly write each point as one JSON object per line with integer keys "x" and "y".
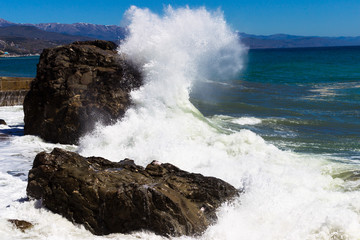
{"x": 4, "y": 23}
{"x": 293, "y": 41}
{"x": 21, "y": 39}
{"x": 104, "y": 32}
{"x": 25, "y": 41}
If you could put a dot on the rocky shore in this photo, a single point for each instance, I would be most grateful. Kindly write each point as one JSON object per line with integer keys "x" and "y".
{"x": 110, "y": 197}
{"x": 76, "y": 86}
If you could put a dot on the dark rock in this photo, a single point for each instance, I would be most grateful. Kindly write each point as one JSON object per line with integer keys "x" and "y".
{"x": 21, "y": 224}
{"x": 2, "y": 122}
{"x": 108, "y": 197}
{"x": 76, "y": 86}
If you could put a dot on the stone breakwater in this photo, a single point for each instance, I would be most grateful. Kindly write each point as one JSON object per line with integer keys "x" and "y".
{"x": 13, "y": 90}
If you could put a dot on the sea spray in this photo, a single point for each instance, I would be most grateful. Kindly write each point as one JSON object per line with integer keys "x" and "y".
{"x": 174, "y": 51}
{"x": 179, "y": 48}
{"x": 286, "y": 195}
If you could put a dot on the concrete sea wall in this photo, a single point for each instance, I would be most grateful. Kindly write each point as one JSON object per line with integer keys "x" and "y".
{"x": 13, "y": 90}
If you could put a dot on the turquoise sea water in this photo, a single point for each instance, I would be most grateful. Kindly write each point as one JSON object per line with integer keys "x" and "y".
{"x": 18, "y": 66}
{"x": 308, "y": 100}
{"x": 284, "y": 130}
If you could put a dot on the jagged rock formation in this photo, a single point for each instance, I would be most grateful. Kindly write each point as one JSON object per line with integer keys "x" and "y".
{"x": 77, "y": 85}
{"x": 108, "y": 197}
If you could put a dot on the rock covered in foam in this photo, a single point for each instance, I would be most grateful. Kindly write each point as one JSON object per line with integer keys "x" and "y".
{"x": 108, "y": 197}
{"x": 76, "y": 86}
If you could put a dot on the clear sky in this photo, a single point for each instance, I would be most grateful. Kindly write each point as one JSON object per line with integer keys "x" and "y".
{"x": 298, "y": 17}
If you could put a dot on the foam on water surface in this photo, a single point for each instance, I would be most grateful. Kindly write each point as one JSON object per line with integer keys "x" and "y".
{"x": 286, "y": 195}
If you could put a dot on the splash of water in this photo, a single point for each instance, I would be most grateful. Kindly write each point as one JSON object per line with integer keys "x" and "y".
{"x": 179, "y": 48}
{"x": 287, "y": 196}
{"x": 174, "y": 51}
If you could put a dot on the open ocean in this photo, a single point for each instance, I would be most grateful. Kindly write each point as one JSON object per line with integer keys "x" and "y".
{"x": 283, "y": 125}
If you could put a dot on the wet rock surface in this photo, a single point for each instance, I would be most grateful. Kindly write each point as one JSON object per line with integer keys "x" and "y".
{"x": 76, "y": 86}
{"x": 121, "y": 197}
{"x": 2, "y": 122}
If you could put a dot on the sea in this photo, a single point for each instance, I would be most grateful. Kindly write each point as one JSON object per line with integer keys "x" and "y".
{"x": 281, "y": 125}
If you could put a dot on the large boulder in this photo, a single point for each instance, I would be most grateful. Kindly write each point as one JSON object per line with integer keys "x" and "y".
{"x": 77, "y": 85}
{"x": 109, "y": 197}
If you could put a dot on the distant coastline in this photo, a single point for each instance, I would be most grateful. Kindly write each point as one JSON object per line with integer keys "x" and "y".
{"x": 303, "y": 48}
{"x": 30, "y": 39}
{"x": 19, "y": 55}
{"x": 292, "y": 41}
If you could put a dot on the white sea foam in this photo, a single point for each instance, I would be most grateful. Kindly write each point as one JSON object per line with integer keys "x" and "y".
{"x": 286, "y": 195}
{"x": 247, "y": 121}
{"x": 237, "y": 120}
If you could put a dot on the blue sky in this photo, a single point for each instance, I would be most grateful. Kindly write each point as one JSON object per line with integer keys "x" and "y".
{"x": 298, "y": 17}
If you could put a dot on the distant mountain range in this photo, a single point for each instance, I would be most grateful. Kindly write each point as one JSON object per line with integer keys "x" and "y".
{"x": 104, "y": 32}
{"x": 291, "y": 41}
{"x": 22, "y": 40}
{"x": 30, "y": 38}
{"x": 96, "y": 31}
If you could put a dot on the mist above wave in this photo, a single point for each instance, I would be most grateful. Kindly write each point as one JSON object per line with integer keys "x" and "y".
{"x": 282, "y": 190}
{"x": 173, "y": 51}
{"x": 178, "y": 48}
